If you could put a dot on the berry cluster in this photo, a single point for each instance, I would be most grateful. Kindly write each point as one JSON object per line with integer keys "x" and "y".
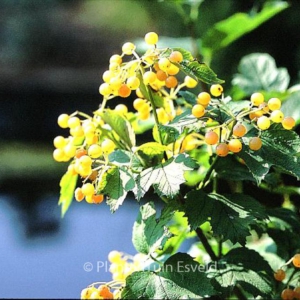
{"x": 289, "y": 293}
{"x": 156, "y": 75}
{"x": 227, "y": 136}
{"x": 123, "y": 265}
{"x": 104, "y": 291}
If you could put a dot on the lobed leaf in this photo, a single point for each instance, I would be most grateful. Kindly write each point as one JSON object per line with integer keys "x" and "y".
{"x": 246, "y": 268}
{"x": 166, "y": 178}
{"x": 150, "y": 234}
{"x": 258, "y": 71}
{"x": 229, "y": 215}
{"x": 181, "y": 277}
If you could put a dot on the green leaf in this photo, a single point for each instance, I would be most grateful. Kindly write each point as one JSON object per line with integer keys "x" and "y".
{"x": 186, "y": 121}
{"x": 181, "y": 277}
{"x": 258, "y": 71}
{"x": 227, "y": 31}
{"x": 230, "y": 167}
{"x": 67, "y": 187}
{"x": 151, "y": 153}
{"x": 200, "y": 71}
{"x": 115, "y": 183}
{"x": 229, "y": 215}
{"x": 187, "y": 55}
{"x": 290, "y": 107}
{"x": 121, "y": 126}
{"x": 189, "y": 97}
{"x": 150, "y": 234}
{"x": 166, "y": 178}
{"x": 246, "y": 268}
{"x": 168, "y": 134}
{"x": 280, "y": 148}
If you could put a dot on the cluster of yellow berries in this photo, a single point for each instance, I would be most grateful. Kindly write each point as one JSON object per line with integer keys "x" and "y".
{"x": 122, "y": 265}
{"x": 261, "y": 115}
{"x": 280, "y": 275}
{"x": 85, "y": 148}
{"x": 104, "y": 291}
{"x": 153, "y": 70}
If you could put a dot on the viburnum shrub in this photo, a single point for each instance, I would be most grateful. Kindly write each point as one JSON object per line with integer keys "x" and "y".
{"x": 208, "y": 159}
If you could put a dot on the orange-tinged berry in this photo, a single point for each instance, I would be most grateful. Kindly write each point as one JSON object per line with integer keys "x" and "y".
{"x": 288, "y": 123}
{"x": 296, "y": 260}
{"x": 287, "y": 294}
{"x": 176, "y": 57}
{"x": 222, "y": 149}
{"x": 80, "y": 152}
{"x": 97, "y": 199}
{"x": 279, "y": 275}
{"x": 171, "y": 82}
{"x": 239, "y": 130}
{"x": 124, "y": 91}
{"x": 211, "y": 138}
{"x": 161, "y": 75}
{"x": 255, "y": 143}
{"x": 79, "y": 196}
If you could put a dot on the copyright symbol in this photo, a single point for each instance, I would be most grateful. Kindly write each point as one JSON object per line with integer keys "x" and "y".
{"x": 88, "y": 267}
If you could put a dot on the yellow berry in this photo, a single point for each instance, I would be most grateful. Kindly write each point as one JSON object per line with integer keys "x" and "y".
{"x": 216, "y": 90}
{"x": 203, "y": 98}
{"x": 128, "y": 48}
{"x": 95, "y": 151}
{"x": 116, "y": 59}
{"x": 88, "y": 189}
{"x": 288, "y": 123}
{"x": 257, "y": 99}
{"x": 274, "y": 104}
{"x": 190, "y": 82}
{"x": 151, "y": 38}
{"x": 198, "y": 110}
{"x": 263, "y": 122}
{"x": 63, "y": 120}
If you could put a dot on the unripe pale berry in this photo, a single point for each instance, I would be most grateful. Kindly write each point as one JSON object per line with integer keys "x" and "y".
{"x": 257, "y": 99}
{"x": 151, "y": 38}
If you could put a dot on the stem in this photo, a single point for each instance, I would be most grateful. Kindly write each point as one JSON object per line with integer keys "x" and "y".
{"x": 209, "y": 172}
{"x": 154, "y": 112}
{"x": 238, "y": 291}
{"x": 206, "y": 245}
